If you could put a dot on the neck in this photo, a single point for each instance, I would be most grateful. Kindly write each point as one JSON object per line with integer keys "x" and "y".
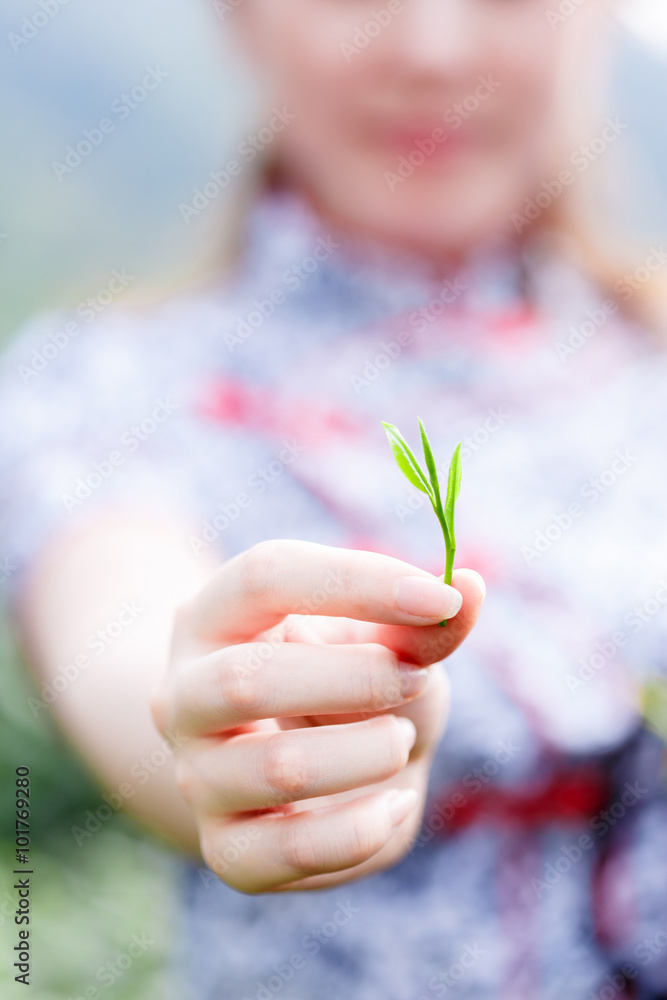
{"x": 436, "y": 259}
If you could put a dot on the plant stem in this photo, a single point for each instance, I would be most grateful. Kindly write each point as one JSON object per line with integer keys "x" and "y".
{"x": 450, "y": 552}
{"x": 449, "y": 564}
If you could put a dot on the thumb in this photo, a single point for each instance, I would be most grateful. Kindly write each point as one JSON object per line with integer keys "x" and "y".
{"x": 429, "y": 643}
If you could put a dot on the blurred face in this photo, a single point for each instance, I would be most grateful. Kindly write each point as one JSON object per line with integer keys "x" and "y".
{"x": 428, "y": 122}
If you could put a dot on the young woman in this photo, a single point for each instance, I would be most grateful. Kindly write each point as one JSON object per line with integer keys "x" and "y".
{"x": 219, "y": 570}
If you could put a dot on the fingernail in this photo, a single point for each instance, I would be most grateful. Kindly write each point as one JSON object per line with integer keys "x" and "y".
{"x": 399, "y": 804}
{"x": 424, "y": 598}
{"x": 413, "y": 680}
{"x": 410, "y": 730}
{"x": 480, "y": 581}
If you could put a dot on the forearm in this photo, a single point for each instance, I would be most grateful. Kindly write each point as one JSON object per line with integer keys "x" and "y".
{"x": 101, "y": 603}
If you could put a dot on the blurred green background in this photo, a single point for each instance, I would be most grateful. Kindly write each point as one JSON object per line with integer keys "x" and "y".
{"x": 86, "y": 901}
{"x": 59, "y": 241}
{"x": 61, "y": 237}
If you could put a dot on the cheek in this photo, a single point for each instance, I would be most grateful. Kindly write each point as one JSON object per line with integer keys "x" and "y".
{"x": 528, "y": 69}
{"x": 326, "y": 123}
{"x": 299, "y": 43}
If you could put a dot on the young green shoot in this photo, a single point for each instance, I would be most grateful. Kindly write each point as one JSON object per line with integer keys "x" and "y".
{"x": 427, "y": 482}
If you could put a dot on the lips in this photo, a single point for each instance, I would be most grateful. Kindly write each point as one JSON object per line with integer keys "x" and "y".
{"x": 407, "y": 138}
{"x": 436, "y": 141}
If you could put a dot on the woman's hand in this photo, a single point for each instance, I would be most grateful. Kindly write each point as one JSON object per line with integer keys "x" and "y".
{"x": 295, "y": 676}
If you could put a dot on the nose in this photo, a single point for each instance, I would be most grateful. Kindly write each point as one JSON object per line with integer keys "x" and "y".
{"x": 438, "y": 35}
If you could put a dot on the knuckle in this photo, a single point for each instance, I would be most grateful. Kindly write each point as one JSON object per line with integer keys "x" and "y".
{"x": 306, "y": 853}
{"x": 363, "y": 843}
{"x": 378, "y": 678}
{"x": 299, "y": 850}
{"x": 289, "y": 770}
{"x": 239, "y": 691}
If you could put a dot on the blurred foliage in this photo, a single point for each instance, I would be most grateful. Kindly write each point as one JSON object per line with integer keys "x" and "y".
{"x": 60, "y": 784}
{"x": 654, "y": 707}
{"x": 87, "y": 901}
{"x": 89, "y": 905}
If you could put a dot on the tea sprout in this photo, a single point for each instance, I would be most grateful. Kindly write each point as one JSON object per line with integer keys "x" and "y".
{"x": 429, "y": 485}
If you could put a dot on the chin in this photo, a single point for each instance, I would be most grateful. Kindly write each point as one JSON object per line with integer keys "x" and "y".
{"x": 448, "y": 212}
{"x": 434, "y": 221}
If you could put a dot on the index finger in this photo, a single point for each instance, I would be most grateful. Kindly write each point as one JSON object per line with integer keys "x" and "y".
{"x": 423, "y": 646}
{"x": 256, "y": 589}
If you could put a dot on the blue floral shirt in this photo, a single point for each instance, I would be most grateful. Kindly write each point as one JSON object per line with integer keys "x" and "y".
{"x": 253, "y": 408}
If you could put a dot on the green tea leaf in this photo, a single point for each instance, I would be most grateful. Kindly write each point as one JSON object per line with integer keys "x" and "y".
{"x": 411, "y": 469}
{"x": 406, "y": 461}
{"x": 453, "y": 488}
{"x": 430, "y": 463}
{"x": 436, "y": 500}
